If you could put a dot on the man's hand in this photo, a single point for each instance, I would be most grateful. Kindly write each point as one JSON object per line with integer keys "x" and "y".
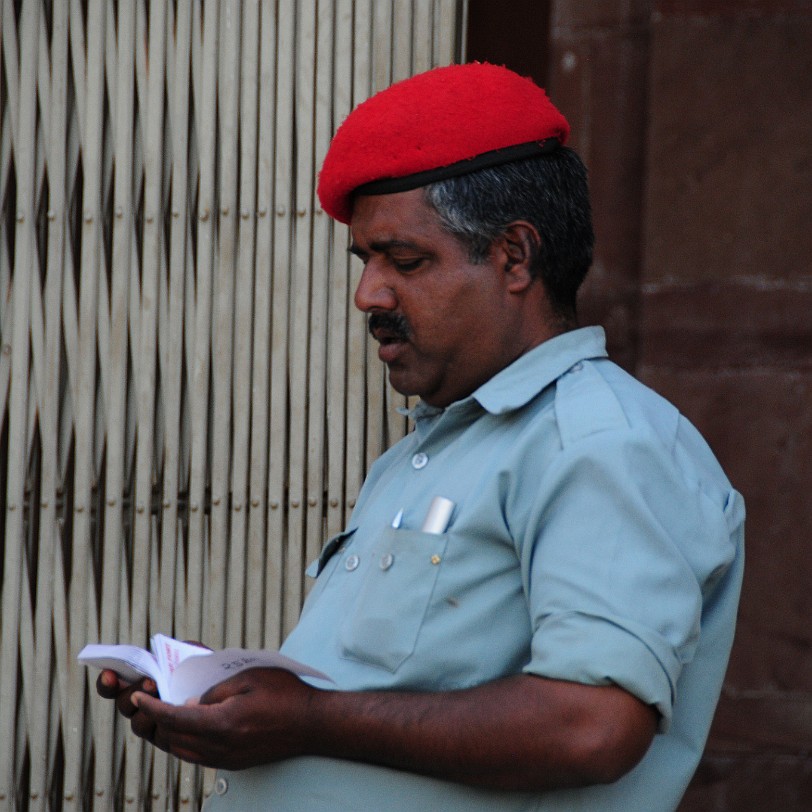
{"x": 256, "y": 717}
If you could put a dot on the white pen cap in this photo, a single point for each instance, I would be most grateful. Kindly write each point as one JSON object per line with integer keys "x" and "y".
{"x": 439, "y": 515}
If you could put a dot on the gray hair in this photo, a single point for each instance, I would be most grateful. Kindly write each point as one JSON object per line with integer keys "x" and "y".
{"x": 548, "y": 191}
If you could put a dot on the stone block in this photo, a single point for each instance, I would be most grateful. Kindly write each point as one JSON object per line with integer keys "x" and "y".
{"x": 754, "y": 783}
{"x": 725, "y": 324}
{"x": 600, "y": 14}
{"x": 759, "y": 424}
{"x": 777, "y": 722}
{"x": 595, "y": 79}
{"x": 726, "y": 8}
{"x": 518, "y": 39}
{"x": 730, "y": 166}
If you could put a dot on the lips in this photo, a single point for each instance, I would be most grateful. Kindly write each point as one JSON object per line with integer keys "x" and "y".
{"x": 391, "y": 331}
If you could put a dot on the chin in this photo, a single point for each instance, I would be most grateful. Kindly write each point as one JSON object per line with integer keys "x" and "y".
{"x": 403, "y": 386}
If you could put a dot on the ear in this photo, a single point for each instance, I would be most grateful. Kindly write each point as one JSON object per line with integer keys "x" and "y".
{"x": 515, "y": 250}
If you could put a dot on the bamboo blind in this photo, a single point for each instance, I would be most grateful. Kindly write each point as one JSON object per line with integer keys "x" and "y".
{"x": 188, "y": 402}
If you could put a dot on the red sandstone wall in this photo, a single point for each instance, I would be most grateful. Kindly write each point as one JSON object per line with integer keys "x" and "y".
{"x": 695, "y": 119}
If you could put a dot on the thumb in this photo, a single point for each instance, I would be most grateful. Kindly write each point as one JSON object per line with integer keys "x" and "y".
{"x": 233, "y": 686}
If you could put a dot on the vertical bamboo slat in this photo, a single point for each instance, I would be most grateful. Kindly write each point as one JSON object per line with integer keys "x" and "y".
{"x": 319, "y": 254}
{"x": 145, "y": 382}
{"x": 280, "y": 289}
{"x": 188, "y": 398}
{"x": 421, "y": 45}
{"x": 24, "y": 240}
{"x": 46, "y": 722}
{"x": 299, "y": 338}
{"x": 375, "y": 395}
{"x": 258, "y": 485}
{"x": 401, "y": 56}
{"x": 356, "y": 354}
{"x": 243, "y": 304}
{"x": 115, "y": 483}
{"x": 338, "y": 289}
{"x": 84, "y": 476}
{"x": 205, "y": 105}
{"x": 223, "y": 316}
{"x": 175, "y": 477}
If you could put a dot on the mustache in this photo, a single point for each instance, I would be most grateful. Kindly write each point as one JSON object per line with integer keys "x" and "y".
{"x": 393, "y": 323}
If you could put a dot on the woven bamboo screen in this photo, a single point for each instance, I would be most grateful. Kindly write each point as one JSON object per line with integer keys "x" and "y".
{"x": 187, "y": 400}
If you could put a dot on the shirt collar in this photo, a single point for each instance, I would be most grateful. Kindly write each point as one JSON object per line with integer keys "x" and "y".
{"x": 517, "y": 384}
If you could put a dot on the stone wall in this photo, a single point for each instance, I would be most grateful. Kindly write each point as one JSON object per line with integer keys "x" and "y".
{"x": 695, "y": 119}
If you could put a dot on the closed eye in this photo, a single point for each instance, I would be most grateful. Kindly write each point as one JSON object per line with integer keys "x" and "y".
{"x": 406, "y": 265}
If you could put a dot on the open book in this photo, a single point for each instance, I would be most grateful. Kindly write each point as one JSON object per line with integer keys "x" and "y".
{"x": 183, "y": 671}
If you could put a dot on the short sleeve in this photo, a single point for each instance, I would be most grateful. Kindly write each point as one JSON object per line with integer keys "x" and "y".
{"x": 613, "y": 565}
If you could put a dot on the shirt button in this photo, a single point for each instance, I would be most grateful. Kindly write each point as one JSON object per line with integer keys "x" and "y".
{"x": 420, "y": 460}
{"x": 578, "y": 367}
{"x": 221, "y": 786}
{"x": 352, "y": 563}
{"x": 387, "y": 561}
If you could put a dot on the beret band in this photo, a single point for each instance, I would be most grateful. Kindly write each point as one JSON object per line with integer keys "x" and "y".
{"x": 496, "y": 157}
{"x": 442, "y": 123}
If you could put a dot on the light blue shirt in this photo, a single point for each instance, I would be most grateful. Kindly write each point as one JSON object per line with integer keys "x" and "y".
{"x": 594, "y": 538}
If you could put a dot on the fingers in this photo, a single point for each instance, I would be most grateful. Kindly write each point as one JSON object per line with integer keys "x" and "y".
{"x": 167, "y": 727}
{"x": 184, "y": 731}
{"x": 124, "y": 701}
{"x": 198, "y": 644}
{"x": 227, "y": 689}
{"x": 190, "y": 718}
{"x": 109, "y": 684}
{"x": 149, "y": 719}
{"x": 140, "y": 723}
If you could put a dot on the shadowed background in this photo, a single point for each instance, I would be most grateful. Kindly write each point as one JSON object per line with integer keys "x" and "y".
{"x": 695, "y": 120}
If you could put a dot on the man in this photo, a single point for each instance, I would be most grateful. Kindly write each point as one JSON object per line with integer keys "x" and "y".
{"x": 559, "y": 641}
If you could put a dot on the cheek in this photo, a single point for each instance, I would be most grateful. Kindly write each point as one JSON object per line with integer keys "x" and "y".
{"x": 451, "y": 312}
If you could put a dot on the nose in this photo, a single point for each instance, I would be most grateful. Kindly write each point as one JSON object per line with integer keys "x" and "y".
{"x": 373, "y": 291}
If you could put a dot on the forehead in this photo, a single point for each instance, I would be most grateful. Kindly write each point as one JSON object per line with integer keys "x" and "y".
{"x": 399, "y": 217}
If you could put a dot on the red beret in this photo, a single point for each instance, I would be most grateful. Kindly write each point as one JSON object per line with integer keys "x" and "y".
{"x": 445, "y": 122}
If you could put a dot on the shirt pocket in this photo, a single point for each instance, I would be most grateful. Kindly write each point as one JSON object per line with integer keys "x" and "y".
{"x": 384, "y": 622}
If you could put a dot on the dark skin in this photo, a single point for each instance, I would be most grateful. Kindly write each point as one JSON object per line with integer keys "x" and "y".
{"x": 523, "y": 732}
{"x": 460, "y": 323}
{"x": 465, "y": 321}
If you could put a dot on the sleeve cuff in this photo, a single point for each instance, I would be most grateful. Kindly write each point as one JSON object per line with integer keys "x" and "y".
{"x": 600, "y": 651}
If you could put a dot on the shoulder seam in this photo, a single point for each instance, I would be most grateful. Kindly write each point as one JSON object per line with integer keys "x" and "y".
{"x": 585, "y": 404}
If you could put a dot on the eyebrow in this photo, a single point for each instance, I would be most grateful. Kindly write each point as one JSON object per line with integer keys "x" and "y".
{"x": 384, "y": 245}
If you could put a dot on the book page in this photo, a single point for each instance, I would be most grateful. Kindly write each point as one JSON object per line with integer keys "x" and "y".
{"x": 169, "y": 654}
{"x": 184, "y": 671}
{"x": 129, "y": 662}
